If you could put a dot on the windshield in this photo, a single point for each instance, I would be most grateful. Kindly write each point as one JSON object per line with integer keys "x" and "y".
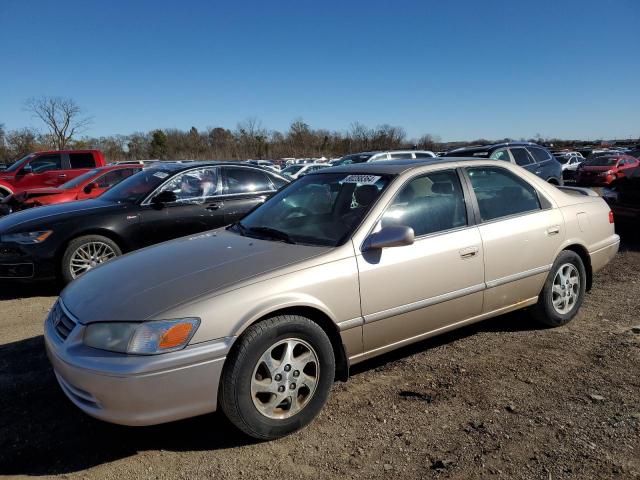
{"x": 357, "y": 158}
{"x": 292, "y": 169}
{"x": 17, "y": 164}
{"x": 319, "y": 209}
{"x": 79, "y": 179}
{"x": 134, "y": 188}
{"x": 602, "y": 162}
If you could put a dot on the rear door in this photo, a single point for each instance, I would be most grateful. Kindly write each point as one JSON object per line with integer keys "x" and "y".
{"x": 244, "y": 188}
{"x": 411, "y": 290}
{"x": 77, "y": 163}
{"x": 544, "y": 162}
{"x": 520, "y": 231}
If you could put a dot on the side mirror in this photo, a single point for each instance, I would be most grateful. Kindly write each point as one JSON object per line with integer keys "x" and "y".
{"x": 90, "y": 187}
{"x": 391, "y": 236}
{"x": 26, "y": 169}
{"x": 164, "y": 197}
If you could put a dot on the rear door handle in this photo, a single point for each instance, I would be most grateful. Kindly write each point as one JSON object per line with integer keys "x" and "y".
{"x": 468, "y": 252}
{"x": 553, "y": 230}
{"x": 215, "y": 206}
{"x": 62, "y": 175}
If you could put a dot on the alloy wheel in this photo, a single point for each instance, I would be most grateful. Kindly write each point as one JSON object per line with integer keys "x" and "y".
{"x": 565, "y": 288}
{"x": 285, "y": 378}
{"x": 88, "y": 256}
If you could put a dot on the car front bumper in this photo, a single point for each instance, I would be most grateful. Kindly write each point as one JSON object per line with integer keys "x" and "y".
{"x": 134, "y": 389}
{"x": 26, "y": 262}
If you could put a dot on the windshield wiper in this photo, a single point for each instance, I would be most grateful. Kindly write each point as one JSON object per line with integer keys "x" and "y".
{"x": 270, "y": 232}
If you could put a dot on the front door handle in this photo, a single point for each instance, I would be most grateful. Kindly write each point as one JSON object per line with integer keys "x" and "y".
{"x": 62, "y": 175}
{"x": 468, "y": 252}
{"x": 215, "y": 206}
{"x": 553, "y": 230}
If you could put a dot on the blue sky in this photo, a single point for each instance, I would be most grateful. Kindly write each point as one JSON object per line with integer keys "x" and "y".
{"x": 458, "y": 69}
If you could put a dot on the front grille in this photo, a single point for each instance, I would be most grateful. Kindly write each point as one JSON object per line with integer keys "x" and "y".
{"x": 61, "y": 322}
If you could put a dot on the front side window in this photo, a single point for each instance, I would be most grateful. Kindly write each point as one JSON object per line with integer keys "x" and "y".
{"x": 429, "y": 204}
{"x": 521, "y": 156}
{"x": 246, "y": 180}
{"x": 501, "y": 155}
{"x": 45, "y": 163}
{"x": 501, "y": 193}
{"x": 109, "y": 179}
{"x": 194, "y": 186}
{"x": 423, "y": 155}
{"x": 322, "y": 209}
{"x": 79, "y": 180}
{"x": 82, "y": 160}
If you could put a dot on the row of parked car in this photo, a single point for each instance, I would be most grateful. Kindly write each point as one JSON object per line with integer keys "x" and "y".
{"x": 164, "y": 200}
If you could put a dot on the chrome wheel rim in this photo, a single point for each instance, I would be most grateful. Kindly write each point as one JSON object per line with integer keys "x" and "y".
{"x": 566, "y": 288}
{"x": 285, "y": 378}
{"x": 88, "y": 256}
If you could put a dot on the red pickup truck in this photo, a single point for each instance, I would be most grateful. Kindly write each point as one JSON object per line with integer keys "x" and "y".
{"x": 48, "y": 169}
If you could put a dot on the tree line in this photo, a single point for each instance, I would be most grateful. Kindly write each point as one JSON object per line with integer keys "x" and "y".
{"x": 65, "y": 124}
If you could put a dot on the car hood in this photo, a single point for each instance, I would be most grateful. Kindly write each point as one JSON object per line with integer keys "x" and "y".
{"x": 143, "y": 284}
{"x": 43, "y": 216}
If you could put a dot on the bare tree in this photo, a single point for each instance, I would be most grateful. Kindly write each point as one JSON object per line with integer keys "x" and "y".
{"x": 61, "y": 115}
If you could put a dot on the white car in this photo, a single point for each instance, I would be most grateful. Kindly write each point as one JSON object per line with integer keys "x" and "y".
{"x": 300, "y": 169}
{"x": 569, "y": 160}
{"x": 383, "y": 156}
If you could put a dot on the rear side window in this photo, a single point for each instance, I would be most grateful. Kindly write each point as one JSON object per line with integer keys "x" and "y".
{"x": 429, "y": 204}
{"x": 246, "y": 180}
{"x": 521, "y": 156}
{"x": 277, "y": 181}
{"x": 82, "y": 160}
{"x": 400, "y": 156}
{"x": 423, "y": 155}
{"x": 539, "y": 154}
{"x": 501, "y": 193}
{"x": 44, "y": 163}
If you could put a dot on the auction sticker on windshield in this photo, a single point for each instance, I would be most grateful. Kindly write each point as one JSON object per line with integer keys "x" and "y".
{"x": 362, "y": 179}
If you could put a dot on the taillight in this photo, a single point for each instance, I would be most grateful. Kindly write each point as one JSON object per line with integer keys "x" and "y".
{"x": 610, "y": 216}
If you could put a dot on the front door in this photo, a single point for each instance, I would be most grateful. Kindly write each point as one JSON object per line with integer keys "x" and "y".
{"x": 41, "y": 171}
{"x": 409, "y": 291}
{"x": 198, "y": 207}
{"x": 521, "y": 234}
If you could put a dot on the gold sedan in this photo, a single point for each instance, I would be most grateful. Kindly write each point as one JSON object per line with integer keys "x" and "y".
{"x": 339, "y": 266}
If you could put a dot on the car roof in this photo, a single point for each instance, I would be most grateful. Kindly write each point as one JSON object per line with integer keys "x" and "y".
{"x": 492, "y": 146}
{"x": 179, "y": 165}
{"x": 389, "y": 167}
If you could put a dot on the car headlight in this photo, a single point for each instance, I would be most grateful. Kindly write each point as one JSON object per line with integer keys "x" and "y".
{"x": 146, "y": 338}
{"x": 26, "y": 238}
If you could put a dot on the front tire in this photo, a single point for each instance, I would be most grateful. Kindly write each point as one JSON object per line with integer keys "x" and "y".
{"x": 278, "y": 377}
{"x": 86, "y": 252}
{"x": 563, "y": 291}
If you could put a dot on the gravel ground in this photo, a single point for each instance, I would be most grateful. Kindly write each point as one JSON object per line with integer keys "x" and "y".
{"x": 499, "y": 399}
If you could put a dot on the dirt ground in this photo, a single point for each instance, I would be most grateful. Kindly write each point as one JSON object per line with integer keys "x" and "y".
{"x": 499, "y": 399}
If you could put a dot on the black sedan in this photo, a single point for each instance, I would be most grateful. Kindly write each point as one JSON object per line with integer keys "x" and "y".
{"x": 165, "y": 201}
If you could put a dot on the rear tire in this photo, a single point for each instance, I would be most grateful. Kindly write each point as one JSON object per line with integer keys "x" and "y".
{"x": 563, "y": 291}
{"x": 90, "y": 250}
{"x": 277, "y": 377}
